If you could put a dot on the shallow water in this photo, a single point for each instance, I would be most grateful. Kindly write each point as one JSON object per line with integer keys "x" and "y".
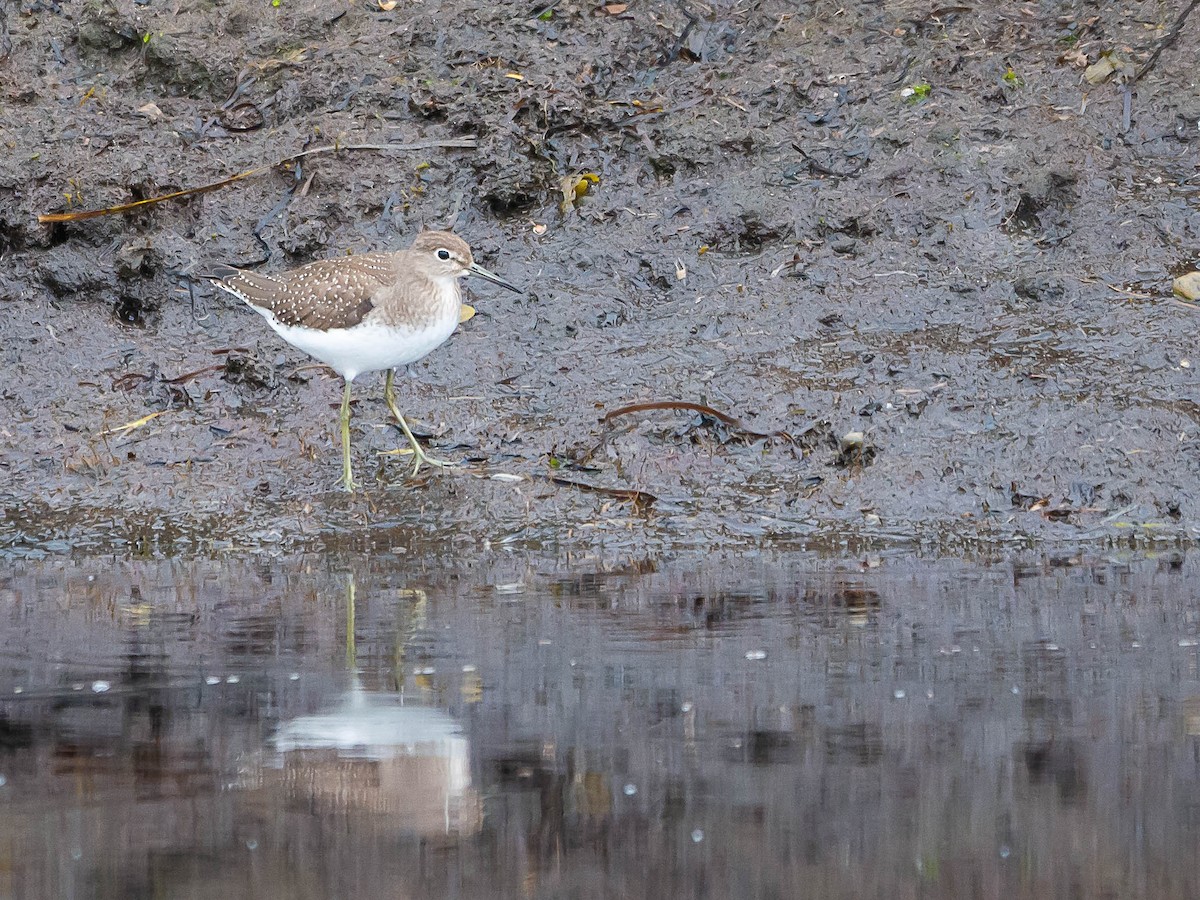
{"x": 543, "y": 726}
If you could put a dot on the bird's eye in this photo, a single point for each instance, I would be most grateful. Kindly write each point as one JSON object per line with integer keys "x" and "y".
{"x": 443, "y": 254}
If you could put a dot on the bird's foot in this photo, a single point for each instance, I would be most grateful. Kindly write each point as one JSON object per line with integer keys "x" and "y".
{"x": 421, "y": 458}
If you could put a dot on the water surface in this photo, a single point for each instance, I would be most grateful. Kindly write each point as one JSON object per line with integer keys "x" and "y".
{"x": 547, "y": 726}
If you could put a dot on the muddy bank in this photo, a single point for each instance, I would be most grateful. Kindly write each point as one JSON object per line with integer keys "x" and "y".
{"x": 921, "y": 226}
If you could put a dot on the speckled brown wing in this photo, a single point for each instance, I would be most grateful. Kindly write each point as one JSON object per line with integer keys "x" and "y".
{"x": 329, "y": 293}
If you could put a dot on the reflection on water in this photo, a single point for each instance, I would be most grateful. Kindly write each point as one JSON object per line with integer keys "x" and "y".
{"x": 534, "y": 727}
{"x": 408, "y": 763}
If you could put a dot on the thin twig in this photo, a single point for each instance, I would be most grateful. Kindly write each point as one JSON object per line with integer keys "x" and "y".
{"x": 637, "y": 498}
{"x": 454, "y": 143}
{"x": 1169, "y": 39}
{"x": 180, "y": 379}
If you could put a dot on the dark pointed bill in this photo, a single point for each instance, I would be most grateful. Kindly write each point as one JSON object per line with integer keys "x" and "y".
{"x": 476, "y": 269}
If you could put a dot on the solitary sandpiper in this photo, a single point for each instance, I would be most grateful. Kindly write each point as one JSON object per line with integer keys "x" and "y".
{"x": 365, "y": 313}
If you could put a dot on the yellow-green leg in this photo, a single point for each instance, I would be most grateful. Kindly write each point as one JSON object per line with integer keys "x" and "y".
{"x": 347, "y": 472}
{"x": 419, "y": 455}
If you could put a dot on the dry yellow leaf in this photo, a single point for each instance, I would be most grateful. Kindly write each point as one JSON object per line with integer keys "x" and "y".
{"x": 465, "y": 313}
{"x": 575, "y": 187}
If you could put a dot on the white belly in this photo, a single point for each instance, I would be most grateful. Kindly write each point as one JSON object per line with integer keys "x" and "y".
{"x": 367, "y": 347}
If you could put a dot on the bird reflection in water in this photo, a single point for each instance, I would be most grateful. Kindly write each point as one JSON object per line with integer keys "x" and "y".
{"x": 374, "y": 753}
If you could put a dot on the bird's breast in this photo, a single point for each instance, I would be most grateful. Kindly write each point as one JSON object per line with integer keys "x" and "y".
{"x": 422, "y": 306}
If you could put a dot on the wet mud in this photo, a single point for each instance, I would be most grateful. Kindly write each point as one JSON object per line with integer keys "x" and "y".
{"x": 919, "y": 225}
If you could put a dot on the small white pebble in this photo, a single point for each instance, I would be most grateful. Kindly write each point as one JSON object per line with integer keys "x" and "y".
{"x": 295, "y": 676}
{"x": 899, "y": 693}
{"x": 99, "y": 687}
{"x": 233, "y": 679}
{"x": 756, "y": 654}
{"x": 1187, "y": 642}
{"x": 697, "y": 836}
{"x": 252, "y": 844}
{"x": 212, "y": 679}
{"x": 1015, "y": 689}
{"x": 630, "y": 790}
{"x": 18, "y": 690}
{"x": 1004, "y": 852}
{"x": 468, "y": 668}
{"x": 686, "y": 707}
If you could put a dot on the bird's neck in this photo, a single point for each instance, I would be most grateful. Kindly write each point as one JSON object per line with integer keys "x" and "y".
{"x": 421, "y": 300}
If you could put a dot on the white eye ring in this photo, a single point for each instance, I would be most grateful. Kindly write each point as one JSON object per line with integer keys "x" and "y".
{"x": 443, "y": 254}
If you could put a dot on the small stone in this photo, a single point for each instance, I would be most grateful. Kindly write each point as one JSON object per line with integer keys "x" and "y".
{"x": 841, "y": 244}
{"x": 1188, "y": 286}
{"x": 851, "y": 440}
